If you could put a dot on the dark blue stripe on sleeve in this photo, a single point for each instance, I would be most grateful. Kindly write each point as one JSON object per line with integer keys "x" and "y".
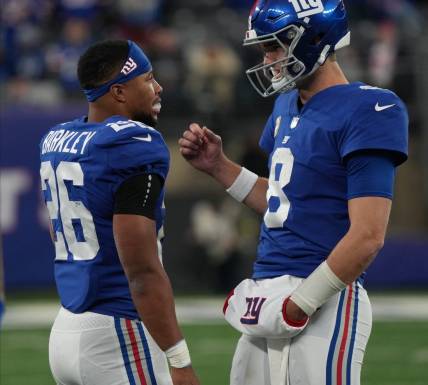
{"x": 370, "y": 173}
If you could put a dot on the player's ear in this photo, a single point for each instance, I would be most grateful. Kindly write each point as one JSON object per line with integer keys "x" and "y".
{"x": 117, "y": 91}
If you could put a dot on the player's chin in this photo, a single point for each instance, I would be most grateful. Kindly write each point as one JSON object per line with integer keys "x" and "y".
{"x": 155, "y": 112}
{"x": 154, "y": 119}
{"x": 148, "y": 119}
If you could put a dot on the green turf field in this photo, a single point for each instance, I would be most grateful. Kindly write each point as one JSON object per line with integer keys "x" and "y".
{"x": 397, "y": 354}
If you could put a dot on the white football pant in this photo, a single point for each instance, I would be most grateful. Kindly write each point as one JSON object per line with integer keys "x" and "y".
{"x": 95, "y": 349}
{"x": 329, "y": 351}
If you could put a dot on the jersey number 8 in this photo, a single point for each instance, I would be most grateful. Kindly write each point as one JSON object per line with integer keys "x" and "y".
{"x": 69, "y": 213}
{"x": 280, "y": 175}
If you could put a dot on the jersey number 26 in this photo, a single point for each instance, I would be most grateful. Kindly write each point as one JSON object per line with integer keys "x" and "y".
{"x": 68, "y": 213}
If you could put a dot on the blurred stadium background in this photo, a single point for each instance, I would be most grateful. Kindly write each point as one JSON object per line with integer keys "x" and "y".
{"x": 196, "y": 51}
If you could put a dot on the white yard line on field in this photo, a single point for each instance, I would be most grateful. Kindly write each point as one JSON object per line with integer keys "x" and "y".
{"x": 209, "y": 310}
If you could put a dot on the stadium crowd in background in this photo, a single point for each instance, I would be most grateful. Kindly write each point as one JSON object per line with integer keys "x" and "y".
{"x": 196, "y": 48}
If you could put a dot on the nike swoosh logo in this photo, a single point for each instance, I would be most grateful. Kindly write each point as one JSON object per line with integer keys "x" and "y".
{"x": 147, "y": 138}
{"x": 381, "y": 108}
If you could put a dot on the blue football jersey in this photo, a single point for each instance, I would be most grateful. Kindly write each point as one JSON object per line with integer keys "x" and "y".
{"x": 82, "y": 166}
{"x": 307, "y": 198}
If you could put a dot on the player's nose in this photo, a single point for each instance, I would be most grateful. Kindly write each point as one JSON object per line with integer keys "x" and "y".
{"x": 158, "y": 87}
{"x": 268, "y": 58}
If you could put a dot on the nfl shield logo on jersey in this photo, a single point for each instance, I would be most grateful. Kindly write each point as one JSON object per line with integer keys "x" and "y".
{"x": 294, "y": 122}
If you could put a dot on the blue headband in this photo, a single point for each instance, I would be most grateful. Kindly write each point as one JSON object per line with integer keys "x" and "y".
{"x": 136, "y": 64}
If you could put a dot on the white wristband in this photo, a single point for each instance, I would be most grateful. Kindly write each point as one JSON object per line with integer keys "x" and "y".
{"x": 315, "y": 290}
{"x": 178, "y": 356}
{"x": 243, "y": 184}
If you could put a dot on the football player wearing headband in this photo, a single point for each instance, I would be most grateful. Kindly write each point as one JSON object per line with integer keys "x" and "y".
{"x": 333, "y": 149}
{"x": 103, "y": 178}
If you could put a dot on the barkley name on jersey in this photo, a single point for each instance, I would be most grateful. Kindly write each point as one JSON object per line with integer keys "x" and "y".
{"x": 82, "y": 166}
{"x": 307, "y": 210}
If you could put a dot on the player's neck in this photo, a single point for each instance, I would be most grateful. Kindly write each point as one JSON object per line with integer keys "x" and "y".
{"x": 328, "y": 75}
{"x": 99, "y": 112}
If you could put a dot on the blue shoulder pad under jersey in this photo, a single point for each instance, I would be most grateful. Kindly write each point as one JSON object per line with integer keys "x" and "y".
{"x": 282, "y": 103}
{"x": 378, "y": 121}
{"x": 132, "y": 148}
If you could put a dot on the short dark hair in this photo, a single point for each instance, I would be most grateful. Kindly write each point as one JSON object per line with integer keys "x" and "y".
{"x": 101, "y": 62}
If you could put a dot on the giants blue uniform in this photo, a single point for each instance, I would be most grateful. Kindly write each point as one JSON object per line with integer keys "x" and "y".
{"x": 307, "y": 211}
{"x": 82, "y": 166}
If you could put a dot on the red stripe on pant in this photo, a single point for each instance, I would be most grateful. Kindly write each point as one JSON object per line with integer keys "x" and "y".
{"x": 344, "y": 337}
{"x": 135, "y": 352}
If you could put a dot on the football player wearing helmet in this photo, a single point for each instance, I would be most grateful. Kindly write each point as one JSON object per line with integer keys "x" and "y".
{"x": 103, "y": 179}
{"x": 333, "y": 148}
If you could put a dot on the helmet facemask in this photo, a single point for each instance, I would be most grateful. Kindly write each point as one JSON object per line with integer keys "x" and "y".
{"x": 281, "y": 75}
